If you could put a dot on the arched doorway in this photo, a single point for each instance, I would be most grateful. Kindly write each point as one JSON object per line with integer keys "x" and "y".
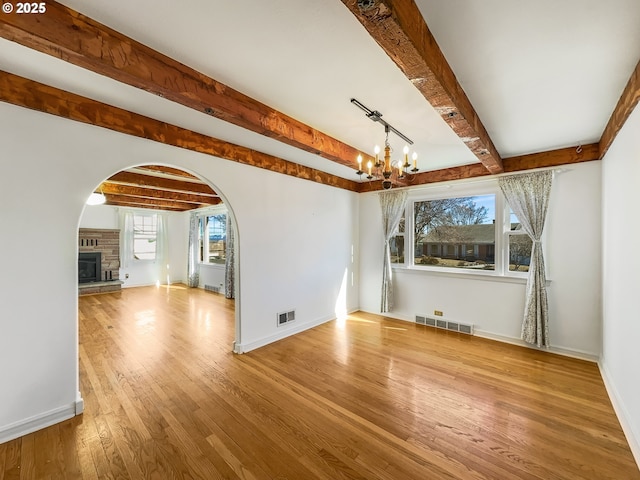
{"x": 171, "y": 227}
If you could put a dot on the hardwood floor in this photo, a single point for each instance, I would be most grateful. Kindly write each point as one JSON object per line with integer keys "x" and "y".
{"x": 367, "y": 398}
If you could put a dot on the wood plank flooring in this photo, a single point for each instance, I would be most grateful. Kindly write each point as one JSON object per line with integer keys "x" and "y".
{"x": 366, "y": 398}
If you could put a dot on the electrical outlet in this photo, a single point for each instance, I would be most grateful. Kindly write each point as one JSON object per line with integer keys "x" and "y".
{"x": 437, "y": 313}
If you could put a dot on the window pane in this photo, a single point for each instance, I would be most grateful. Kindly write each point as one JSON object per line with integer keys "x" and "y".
{"x": 520, "y": 246}
{"x": 455, "y": 232}
{"x": 201, "y": 239}
{"x": 396, "y": 246}
{"x": 217, "y": 235}
{"x": 144, "y": 236}
{"x": 514, "y": 222}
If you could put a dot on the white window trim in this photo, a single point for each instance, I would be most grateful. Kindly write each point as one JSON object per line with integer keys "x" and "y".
{"x": 143, "y": 213}
{"x": 202, "y": 214}
{"x": 501, "y": 270}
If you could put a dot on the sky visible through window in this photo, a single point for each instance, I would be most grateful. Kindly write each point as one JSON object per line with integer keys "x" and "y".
{"x": 488, "y": 201}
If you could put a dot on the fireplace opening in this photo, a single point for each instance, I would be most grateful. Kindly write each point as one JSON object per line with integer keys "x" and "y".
{"x": 89, "y": 267}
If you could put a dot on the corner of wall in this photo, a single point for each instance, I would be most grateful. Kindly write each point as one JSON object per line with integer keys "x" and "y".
{"x": 633, "y": 438}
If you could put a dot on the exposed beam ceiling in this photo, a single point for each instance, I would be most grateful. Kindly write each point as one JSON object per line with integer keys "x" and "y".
{"x": 80, "y": 40}
{"x": 27, "y": 93}
{"x": 400, "y": 30}
{"x": 396, "y": 25}
{"x": 157, "y": 187}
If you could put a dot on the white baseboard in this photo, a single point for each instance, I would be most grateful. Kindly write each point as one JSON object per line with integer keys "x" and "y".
{"x": 283, "y": 332}
{"x": 633, "y": 438}
{"x": 567, "y": 352}
{"x": 37, "y": 422}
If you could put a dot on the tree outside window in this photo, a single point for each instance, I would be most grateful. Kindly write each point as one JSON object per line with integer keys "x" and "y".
{"x": 213, "y": 238}
{"x": 396, "y": 244}
{"x": 455, "y": 232}
{"x": 519, "y": 246}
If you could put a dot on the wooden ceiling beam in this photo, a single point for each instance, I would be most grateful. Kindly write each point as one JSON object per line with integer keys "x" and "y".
{"x": 176, "y": 172}
{"x": 70, "y": 36}
{"x": 626, "y": 104}
{"x": 43, "y": 98}
{"x": 150, "y": 202}
{"x": 549, "y": 159}
{"x": 150, "y": 181}
{"x": 141, "y": 192}
{"x": 134, "y": 204}
{"x": 399, "y": 28}
{"x": 433, "y": 176}
{"x": 552, "y": 158}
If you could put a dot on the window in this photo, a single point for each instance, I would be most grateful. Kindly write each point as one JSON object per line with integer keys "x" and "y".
{"x": 213, "y": 238}
{"x": 472, "y": 232}
{"x": 396, "y": 244}
{"x": 519, "y": 246}
{"x": 145, "y": 232}
{"x": 458, "y": 232}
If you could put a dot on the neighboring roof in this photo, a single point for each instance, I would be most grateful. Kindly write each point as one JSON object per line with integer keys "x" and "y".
{"x": 477, "y": 234}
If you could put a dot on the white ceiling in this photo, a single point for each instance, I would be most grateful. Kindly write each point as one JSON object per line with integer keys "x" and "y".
{"x": 541, "y": 75}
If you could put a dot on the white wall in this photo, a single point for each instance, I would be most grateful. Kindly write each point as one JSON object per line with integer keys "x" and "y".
{"x": 620, "y": 362}
{"x": 496, "y": 307}
{"x": 142, "y": 273}
{"x": 294, "y": 248}
{"x": 212, "y": 274}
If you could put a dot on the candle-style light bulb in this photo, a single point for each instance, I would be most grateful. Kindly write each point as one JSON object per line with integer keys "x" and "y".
{"x": 359, "y": 172}
{"x": 369, "y": 166}
{"x": 415, "y": 160}
{"x": 376, "y": 150}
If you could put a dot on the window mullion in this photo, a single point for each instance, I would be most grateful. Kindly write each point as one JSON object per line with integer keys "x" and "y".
{"x": 408, "y": 234}
{"x": 502, "y": 220}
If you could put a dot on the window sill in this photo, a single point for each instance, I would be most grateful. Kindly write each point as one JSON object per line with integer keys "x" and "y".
{"x": 467, "y": 275}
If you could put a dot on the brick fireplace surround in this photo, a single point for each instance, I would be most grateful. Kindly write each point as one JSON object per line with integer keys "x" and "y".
{"x": 107, "y": 243}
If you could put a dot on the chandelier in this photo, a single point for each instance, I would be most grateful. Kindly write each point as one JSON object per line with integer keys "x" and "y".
{"x": 384, "y": 168}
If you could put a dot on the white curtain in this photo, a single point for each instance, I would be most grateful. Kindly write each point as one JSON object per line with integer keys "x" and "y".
{"x": 126, "y": 237}
{"x": 528, "y": 196}
{"x": 162, "y": 249}
{"x": 392, "y": 204}
{"x": 193, "y": 264}
{"x": 229, "y": 270}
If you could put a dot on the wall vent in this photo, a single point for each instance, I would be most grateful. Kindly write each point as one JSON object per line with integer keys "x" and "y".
{"x": 212, "y": 288}
{"x": 286, "y": 317}
{"x": 445, "y": 324}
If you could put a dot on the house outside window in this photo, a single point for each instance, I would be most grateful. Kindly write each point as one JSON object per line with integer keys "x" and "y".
{"x": 145, "y": 236}
{"x": 457, "y": 232}
{"x": 473, "y": 232}
{"x": 519, "y": 246}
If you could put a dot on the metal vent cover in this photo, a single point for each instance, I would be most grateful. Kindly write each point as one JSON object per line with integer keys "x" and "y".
{"x": 286, "y": 317}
